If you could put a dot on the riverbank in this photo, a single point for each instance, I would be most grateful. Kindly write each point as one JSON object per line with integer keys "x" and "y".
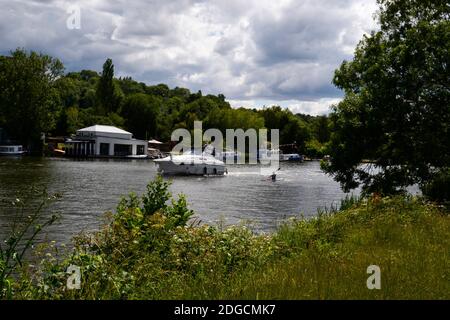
{"x": 148, "y": 250}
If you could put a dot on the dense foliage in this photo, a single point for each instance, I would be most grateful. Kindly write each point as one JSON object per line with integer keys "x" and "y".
{"x": 29, "y": 99}
{"x": 149, "y": 250}
{"x": 41, "y": 99}
{"x": 438, "y": 189}
{"x": 396, "y": 110}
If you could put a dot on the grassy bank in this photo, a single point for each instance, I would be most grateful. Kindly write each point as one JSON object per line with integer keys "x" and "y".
{"x": 148, "y": 250}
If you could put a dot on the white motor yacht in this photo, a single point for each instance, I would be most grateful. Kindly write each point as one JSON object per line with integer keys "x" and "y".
{"x": 190, "y": 163}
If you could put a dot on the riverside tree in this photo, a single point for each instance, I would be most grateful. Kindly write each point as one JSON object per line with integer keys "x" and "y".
{"x": 108, "y": 93}
{"x": 140, "y": 112}
{"x": 396, "y": 110}
{"x": 29, "y": 101}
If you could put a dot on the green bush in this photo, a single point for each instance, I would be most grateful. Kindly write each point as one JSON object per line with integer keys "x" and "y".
{"x": 315, "y": 149}
{"x": 149, "y": 250}
{"x": 438, "y": 189}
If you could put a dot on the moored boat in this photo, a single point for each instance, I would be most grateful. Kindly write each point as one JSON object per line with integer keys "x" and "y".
{"x": 266, "y": 155}
{"x": 291, "y": 157}
{"x": 228, "y": 156}
{"x": 12, "y": 150}
{"x": 277, "y": 154}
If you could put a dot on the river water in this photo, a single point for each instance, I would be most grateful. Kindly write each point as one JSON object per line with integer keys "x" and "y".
{"x": 91, "y": 187}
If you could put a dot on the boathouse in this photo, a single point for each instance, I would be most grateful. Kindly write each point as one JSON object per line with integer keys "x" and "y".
{"x": 105, "y": 141}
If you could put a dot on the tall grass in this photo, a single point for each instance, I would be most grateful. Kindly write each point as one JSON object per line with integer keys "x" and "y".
{"x": 148, "y": 250}
{"x": 27, "y": 223}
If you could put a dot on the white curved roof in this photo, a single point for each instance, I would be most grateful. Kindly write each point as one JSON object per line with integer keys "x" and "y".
{"x": 104, "y": 129}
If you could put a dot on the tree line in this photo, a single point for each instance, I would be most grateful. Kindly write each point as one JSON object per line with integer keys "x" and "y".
{"x": 38, "y": 97}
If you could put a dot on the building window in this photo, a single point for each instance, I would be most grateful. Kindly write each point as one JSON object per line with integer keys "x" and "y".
{"x": 121, "y": 150}
{"x": 104, "y": 149}
{"x": 140, "y": 150}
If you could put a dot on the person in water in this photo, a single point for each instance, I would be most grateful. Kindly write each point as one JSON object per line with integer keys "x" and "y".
{"x": 274, "y": 175}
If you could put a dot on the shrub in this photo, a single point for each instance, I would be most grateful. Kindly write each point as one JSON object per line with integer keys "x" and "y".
{"x": 148, "y": 250}
{"x": 438, "y": 189}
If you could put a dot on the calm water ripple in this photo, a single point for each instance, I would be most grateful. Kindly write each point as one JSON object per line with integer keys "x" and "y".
{"x": 92, "y": 187}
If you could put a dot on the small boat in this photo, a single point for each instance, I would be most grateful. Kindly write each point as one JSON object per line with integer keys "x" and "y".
{"x": 277, "y": 154}
{"x": 228, "y": 156}
{"x": 291, "y": 157}
{"x": 267, "y": 155}
{"x": 16, "y": 150}
{"x": 190, "y": 163}
{"x": 58, "y": 152}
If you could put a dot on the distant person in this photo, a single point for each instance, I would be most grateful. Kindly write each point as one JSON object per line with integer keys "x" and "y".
{"x": 274, "y": 176}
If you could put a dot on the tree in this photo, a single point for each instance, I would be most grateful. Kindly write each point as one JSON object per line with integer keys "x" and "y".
{"x": 292, "y": 128}
{"x": 396, "y": 109}
{"x": 141, "y": 112}
{"x": 129, "y": 86}
{"x": 161, "y": 90}
{"x": 88, "y": 74}
{"x": 180, "y": 92}
{"x": 168, "y": 114}
{"x": 320, "y": 128}
{"x": 69, "y": 91}
{"x": 108, "y": 92}
{"x": 29, "y": 101}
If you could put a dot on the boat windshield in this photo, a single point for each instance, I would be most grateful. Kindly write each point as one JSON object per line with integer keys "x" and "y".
{"x": 206, "y": 152}
{"x": 192, "y": 152}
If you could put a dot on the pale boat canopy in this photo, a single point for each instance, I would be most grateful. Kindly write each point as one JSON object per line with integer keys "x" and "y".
{"x": 153, "y": 141}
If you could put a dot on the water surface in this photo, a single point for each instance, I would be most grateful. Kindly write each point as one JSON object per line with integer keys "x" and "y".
{"x": 91, "y": 187}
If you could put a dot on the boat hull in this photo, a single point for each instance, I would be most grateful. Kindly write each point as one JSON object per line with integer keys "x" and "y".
{"x": 294, "y": 157}
{"x": 20, "y": 153}
{"x": 11, "y": 150}
{"x": 187, "y": 169}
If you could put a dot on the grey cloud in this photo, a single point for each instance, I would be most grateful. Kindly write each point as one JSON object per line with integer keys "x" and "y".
{"x": 248, "y": 50}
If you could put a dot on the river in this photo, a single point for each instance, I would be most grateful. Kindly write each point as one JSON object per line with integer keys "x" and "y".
{"x": 91, "y": 187}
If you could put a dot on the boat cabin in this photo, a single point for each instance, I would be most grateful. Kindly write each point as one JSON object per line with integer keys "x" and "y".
{"x": 11, "y": 150}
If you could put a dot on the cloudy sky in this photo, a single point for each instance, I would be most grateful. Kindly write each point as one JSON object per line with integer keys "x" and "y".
{"x": 255, "y": 52}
